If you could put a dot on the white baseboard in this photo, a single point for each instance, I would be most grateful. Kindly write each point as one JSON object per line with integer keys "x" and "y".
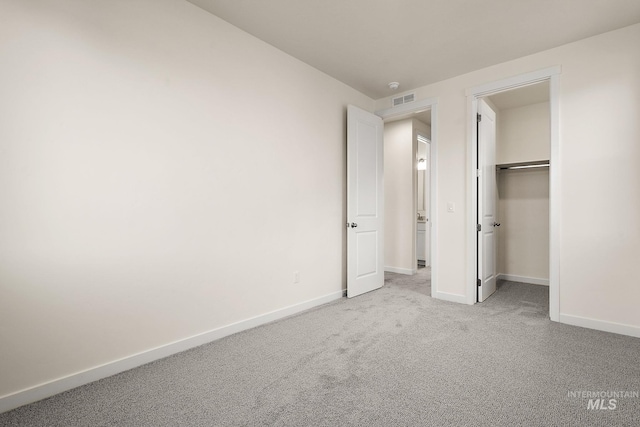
{"x": 523, "y": 279}
{"x": 398, "y": 270}
{"x": 601, "y": 325}
{"x": 39, "y": 392}
{"x": 461, "y": 299}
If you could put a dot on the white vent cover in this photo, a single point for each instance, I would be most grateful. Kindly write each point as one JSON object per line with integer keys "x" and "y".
{"x": 403, "y": 99}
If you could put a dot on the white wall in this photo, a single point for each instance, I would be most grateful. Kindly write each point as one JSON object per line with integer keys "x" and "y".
{"x": 399, "y": 194}
{"x": 523, "y": 214}
{"x": 162, "y": 174}
{"x": 523, "y": 134}
{"x": 599, "y": 133}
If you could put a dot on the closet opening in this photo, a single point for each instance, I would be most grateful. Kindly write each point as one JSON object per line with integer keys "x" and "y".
{"x": 514, "y": 244}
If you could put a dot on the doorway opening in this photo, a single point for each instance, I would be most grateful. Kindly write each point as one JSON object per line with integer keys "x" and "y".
{"x": 410, "y": 182}
{"x": 515, "y": 210}
{"x": 423, "y": 198}
{"x": 513, "y": 189}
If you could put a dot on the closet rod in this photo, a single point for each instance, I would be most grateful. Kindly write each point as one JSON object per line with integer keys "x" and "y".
{"x": 545, "y": 165}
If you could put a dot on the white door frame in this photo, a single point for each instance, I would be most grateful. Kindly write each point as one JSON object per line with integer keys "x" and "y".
{"x": 426, "y": 192}
{"x": 551, "y": 74}
{"x": 416, "y": 107}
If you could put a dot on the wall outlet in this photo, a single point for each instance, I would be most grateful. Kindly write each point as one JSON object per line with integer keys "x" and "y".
{"x": 296, "y": 277}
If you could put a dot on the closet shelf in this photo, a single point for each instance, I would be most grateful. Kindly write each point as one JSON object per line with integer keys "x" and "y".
{"x": 523, "y": 165}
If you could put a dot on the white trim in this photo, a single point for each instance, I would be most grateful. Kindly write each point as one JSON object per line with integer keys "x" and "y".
{"x": 33, "y": 394}
{"x": 555, "y": 199}
{"x": 445, "y": 296}
{"x": 601, "y": 325}
{"x": 433, "y": 202}
{"x": 414, "y": 107}
{"x": 408, "y": 271}
{"x": 523, "y": 279}
{"x": 552, "y": 74}
{"x": 472, "y": 199}
{"x": 513, "y": 82}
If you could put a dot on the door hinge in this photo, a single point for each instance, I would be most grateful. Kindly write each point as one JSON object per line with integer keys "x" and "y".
{"x": 478, "y": 117}
{"x": 478, "y": 227}
{"x": 479, "y": 283}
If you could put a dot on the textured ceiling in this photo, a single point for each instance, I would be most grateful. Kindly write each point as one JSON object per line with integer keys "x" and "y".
{"x": 369, "y": 43}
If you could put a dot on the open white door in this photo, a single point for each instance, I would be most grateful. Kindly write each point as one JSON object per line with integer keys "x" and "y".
{"x": 486, "y": 201}
{"x": 365, "y": 202}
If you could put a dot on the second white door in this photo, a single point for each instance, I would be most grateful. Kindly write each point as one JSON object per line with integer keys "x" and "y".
{"x": 365, "y": 202}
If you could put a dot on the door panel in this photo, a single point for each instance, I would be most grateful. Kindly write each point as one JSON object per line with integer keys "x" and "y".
{"x": 365, "y": 202}
{"x": 367, "y": 243}
{"x": 366, "y": 158}
{"x": 488, "y": 242}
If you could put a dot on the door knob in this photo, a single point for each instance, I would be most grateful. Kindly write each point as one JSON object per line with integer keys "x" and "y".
{"x": 354, "y": 225}
{"x": 496, "y": 224}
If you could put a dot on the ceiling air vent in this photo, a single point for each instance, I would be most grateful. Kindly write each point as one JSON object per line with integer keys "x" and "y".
{"x": 403, "y": 99}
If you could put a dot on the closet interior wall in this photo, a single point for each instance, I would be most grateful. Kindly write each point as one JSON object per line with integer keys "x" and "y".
{"x": 523, "y": 194}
